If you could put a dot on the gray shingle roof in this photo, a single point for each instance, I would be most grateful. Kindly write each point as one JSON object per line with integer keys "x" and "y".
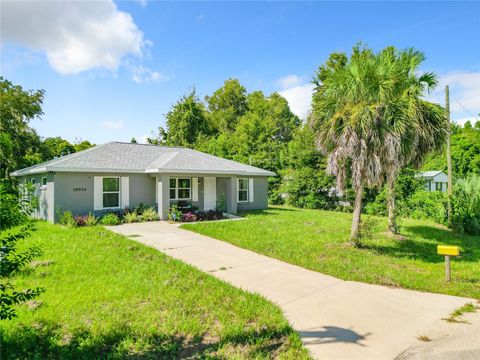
{"x": 430, "y": 174}
{"x": 138, "y": 158}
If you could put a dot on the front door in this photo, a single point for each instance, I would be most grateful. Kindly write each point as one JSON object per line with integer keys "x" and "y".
{"x": 210, "y": 193}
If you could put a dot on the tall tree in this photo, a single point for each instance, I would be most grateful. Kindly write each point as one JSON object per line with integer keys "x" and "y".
{"x": 19, "y": 143}
{"x": 367, "y": 113}
{"x": 56, "y": 147}
{"x": 226, "y": 105}
{"x": 417, "y": 127}
{"x": 186, "y": 121}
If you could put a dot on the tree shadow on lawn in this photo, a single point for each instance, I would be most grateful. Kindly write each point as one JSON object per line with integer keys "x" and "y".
{"x": 422, "y": 241}
{"x": 51, "y": 341}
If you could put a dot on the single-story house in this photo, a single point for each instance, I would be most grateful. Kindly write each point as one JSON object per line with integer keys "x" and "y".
{"x": 117, "y": 175}
{"x": 434, "y": 180}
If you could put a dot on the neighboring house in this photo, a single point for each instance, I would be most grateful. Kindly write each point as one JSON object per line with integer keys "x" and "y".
{"x": 434, "y": 180}
{"x": 117, "y": 175}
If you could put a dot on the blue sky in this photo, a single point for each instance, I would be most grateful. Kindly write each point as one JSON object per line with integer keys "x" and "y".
{"x": 112, "y": 70}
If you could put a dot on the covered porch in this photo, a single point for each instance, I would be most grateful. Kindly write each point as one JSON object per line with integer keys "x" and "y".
{"x": 196, "y": 191}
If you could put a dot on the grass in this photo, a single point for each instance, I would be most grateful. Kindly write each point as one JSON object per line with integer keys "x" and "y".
{"x": 318, "y": 240}
{"x": 456, "y": 316}
{"x": 110, "y": 297}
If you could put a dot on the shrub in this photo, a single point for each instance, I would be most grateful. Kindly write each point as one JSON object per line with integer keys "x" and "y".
{"x": 11, "y": 210}
{"x": 67, "y": 219}
{"x": 90, "y": 220}
{"x": 12, "y": 262}
{"x": 80, "y": 220}
{"x": 174, "y": 214}
{"x": 140, "y": 208}
{"x": 110, "y": 219}
{"x": 208, "y": 215}
{"x": 427, "y": 205}
{"x": 189, "y": 217}
{"x": 466, "y": 205}
{"x": 310, "y": 189}
{"x": 149, "y": 214}
{"x": 130, "y": 217}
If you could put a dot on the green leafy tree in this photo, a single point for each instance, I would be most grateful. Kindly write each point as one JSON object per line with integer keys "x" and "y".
{"x": 186, "y": 121}
{"x": 55, "y": 147}
{"x": 226, "y": 105}
{"x": 465, "y": 150}
{"x": 82, "y": 145}
{"x": 20, "y": 145}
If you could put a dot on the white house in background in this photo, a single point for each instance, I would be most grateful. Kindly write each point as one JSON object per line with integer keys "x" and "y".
{"x": 435, "y": 180}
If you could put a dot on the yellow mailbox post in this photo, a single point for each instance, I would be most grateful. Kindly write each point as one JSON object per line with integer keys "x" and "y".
{"x": 448, "y": 251}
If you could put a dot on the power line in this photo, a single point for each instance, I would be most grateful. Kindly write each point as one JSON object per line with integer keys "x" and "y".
{"x": 458, "y": 101}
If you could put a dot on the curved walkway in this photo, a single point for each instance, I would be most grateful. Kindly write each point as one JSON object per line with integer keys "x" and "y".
{"x": 336, "y": 319}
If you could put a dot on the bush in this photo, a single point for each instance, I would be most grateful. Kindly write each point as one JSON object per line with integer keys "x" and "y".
{"x": 85, "y": 220}
{"x": 80, "y": 220}
{"x": 90, "y": 220}
{"x": 208, "y": 215}
{"x": 11, "y": 211}
{"x": 67, "y": 219}
{"x": 427, "y": 205}
{"x": 140, "y": 208}
{"x": 110, "y": 219}
{"x": 189, "y": 217}
{"x": 466, "y": 205}
{"x": 310, "y": 189}
{"x": 12, "y": 262}
{"x": 130, "y": 217}
{"x": 149, "y": 214}
{"x": 174, "y": 214}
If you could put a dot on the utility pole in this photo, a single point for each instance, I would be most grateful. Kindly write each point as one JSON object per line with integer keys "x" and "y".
{"x": 449, "y": 158}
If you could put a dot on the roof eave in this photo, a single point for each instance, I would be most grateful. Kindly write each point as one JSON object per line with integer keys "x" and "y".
{"x": 200, "y": 171}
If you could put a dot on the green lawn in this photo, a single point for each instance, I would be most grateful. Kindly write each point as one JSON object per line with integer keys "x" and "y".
{"x": 318, "y": 239}
{"x": 110, "y": 297}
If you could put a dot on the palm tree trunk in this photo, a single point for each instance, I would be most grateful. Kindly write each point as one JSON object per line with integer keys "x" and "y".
{"x": 392, "y": 214}
{"x": 357, "y": 210}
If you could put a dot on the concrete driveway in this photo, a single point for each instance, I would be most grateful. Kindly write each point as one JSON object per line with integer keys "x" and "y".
{"x": 336, "y": 319}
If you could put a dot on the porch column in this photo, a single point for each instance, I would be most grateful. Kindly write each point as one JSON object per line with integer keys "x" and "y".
{"x": 163, "y": 196}
{"x": 232, "y": 195}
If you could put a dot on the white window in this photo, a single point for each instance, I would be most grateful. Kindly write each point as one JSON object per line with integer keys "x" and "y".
{"x": 32, "y": 181}
{"x": 111, "y": 192}
{"x": 180, "y": 188}
{"x": 438, "y": 186}
{"x": 242, "y": 190}
{"x": 44, "y": 182}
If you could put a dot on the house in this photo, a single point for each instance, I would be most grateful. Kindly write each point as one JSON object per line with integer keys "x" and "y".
{"x": 434, "y": 180}
{"x": 117, "y": 175}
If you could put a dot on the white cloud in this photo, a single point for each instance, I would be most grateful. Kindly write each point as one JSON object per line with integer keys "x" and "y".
{"x": 462, "y": 121}
{"x": 300, "y": 99}
{"x": 142, "y": 3}
{"x": 200, "y": 18}
{"x": 141, "y": 74}
{"x": 75, "y": 35}
{"x": 289, "y": 81}
{"x": 464, "y": 90}
{"x": 113, "y": 125}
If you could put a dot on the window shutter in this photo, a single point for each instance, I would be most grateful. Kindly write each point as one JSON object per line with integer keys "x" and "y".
{"x": 250, "y": 190}
{"x": 97, "y": 193}
{"x": 194, "y": 189}
{"x": 125, "y": 190}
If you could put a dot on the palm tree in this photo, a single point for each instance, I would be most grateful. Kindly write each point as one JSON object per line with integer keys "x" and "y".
{"x": 367, "y": 114}
{"x": 418, "y": 126}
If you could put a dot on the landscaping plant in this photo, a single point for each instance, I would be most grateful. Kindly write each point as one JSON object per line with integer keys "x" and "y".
{"x": 130, "y": 217}
{"x": 466, "y": 205}
{"x": 149, "y": 214}
{"x": 110, "y": 219}
{"x": 67, "y": 219}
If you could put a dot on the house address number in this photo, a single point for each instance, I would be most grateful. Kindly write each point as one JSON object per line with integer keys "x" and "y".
{"x": 79, "y": 189}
